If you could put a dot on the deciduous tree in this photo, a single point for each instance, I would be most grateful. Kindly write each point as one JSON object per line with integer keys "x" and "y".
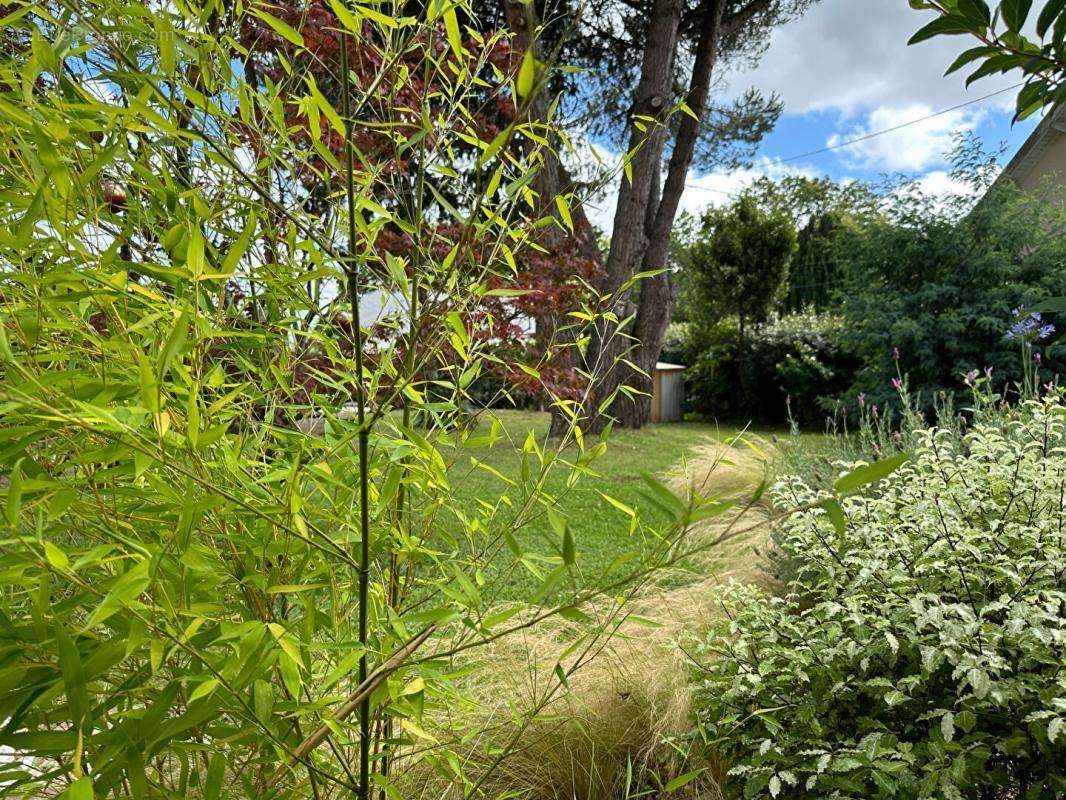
{"x": 741, "y": 261}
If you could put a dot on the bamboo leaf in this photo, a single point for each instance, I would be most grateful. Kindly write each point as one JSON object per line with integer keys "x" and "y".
{"x": 681, "y": 780}
{"x": 564, "y": 211}
{"x": 123, "y": 592}
{"x": 81, "y": 789}
{"x": 348, "y": 17}
{"x": 836, "y": 516}
{"x": 493, "y": 147}
{"x": 869, "y": 473}
{"x": 283, "y": 29}
{"x": 175, "y": 342}
{"x": 149, "y": 385}
{"x": 451, "y": 27}
{"x": 527, "y": 71}
{"x": 204, "y": 689}
{"x": 619, "y": 505}
{"x": 73, "y": 678}
{"x": 569, "y": 551}
{"x": 56, "y": 557}
{"x": 13, "y": 502}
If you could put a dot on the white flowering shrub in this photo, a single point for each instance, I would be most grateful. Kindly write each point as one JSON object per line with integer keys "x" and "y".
{"x": 921, "y": 653}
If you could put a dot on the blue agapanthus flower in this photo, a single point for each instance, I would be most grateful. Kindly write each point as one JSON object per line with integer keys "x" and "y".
{"x": 1029, "y": 326}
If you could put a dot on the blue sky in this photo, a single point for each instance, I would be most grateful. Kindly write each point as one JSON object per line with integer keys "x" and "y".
{"x": 844, "y": 70}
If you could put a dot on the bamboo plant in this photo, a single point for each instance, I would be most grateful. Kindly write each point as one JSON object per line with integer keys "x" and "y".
{"x": 235, "y": 413}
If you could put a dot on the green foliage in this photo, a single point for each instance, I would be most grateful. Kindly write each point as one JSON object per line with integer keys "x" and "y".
{"x": 920, "y": 651}
{"x": 818, "y": 268}
{"x": 225, "y": 501}
{"x": 920, "y": 287}
{"x": 936, "y": 281}
{"x": 819, "y": 208}
{"x": 1004, "y": 46}
{"x": 739, "y": 260}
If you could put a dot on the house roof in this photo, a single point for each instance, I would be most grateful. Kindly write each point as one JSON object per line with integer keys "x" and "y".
{"x": 1050, "y": 130}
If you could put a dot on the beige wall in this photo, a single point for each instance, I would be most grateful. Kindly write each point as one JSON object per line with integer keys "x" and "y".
{"x": 1040, "y": 163}
{"x": 1047, "y": 165}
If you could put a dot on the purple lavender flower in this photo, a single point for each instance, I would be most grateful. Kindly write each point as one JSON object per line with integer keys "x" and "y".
{"x": 895, "y": 354}
{"x": 988, "y": 372}
{"x": 862, "y": 399}
{"x": 897, "y": 384}
{"x": 970, "y": 377}
{"x": 873, "y": 410}
{"x": 1037, "y": 359}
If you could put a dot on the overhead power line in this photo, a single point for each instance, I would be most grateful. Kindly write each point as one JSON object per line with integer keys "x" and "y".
{"x": 901, "y": 126}
{"x": 874, "y": 134}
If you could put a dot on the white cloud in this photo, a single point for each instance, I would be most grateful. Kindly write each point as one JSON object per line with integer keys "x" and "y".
{"x": 846, "y": 64}
{"x": 722, "y": 186}
{"x": 941, "y": 185}
{"x": 852, "y": 55}
{"x": 710, "y": 189}
{"x": 910, "y": 149}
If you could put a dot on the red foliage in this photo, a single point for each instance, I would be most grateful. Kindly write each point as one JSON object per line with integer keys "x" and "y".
{"x": 555, "y": 278}
{"x": 392, "y": 93}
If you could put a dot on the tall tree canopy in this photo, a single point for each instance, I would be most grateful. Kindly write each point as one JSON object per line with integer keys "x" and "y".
{"x": 740, "y": 262}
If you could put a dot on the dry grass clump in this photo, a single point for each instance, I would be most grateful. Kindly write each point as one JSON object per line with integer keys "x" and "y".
{"x": 723, "y": 468}
{"x": 615, "y": 730}
{"x": 736, "y": 542}
{"x": 619, "y": 709}
{"x": 607, "y": 734}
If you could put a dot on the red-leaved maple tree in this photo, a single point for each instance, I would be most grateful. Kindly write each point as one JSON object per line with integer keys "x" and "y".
{"x": 551, "y": 274}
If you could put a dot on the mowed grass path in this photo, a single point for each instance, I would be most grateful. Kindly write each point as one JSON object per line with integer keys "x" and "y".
{"x": 600, "y": 530}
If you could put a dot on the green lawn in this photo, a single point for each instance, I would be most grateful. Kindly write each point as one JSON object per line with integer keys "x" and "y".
{"x": 601, "y": 531}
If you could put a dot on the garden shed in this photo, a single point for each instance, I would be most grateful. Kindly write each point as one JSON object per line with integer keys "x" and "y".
{"x": 668, "y": 388}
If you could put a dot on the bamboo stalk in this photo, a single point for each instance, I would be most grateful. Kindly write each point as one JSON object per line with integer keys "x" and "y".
{"x": 352, "y": 272}
{"x": 355, "y": 700}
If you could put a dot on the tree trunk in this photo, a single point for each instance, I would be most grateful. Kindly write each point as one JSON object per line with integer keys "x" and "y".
{"x": 637, "y": 198}
{"x": 644, "y": 246}
{"x": 659, "y": 293}
{"x": 652, "y": 99}
{"x": 657, "y": 299}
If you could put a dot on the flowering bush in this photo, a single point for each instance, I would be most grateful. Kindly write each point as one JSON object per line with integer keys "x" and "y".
{"x": 920, "y": 651}
{"x": 800, "y": 361}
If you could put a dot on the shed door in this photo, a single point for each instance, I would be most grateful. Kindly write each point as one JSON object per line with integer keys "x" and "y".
{"x": 670, "y": 396}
